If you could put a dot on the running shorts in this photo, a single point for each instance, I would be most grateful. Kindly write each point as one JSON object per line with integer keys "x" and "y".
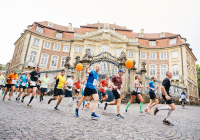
{"x": 88, "y": 91}
{"x": 43, "y": 90}
{"x": 103, "y": 94}
{"x": 168, "y": 101}
{"x": 116, "y": 94}
{"x": 10, "y": 85}
{"x": 58, "y": 92}
{"x": 152, "y": 95}
{"x": 135, "y": 93}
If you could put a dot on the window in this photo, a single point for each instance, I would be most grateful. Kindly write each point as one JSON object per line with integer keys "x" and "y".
{"x": 118, "y": 52}
{"x": 57, "y": 47}
{"x": 175, "y": 54}
{"x": 91, "y": 49}
{"x": 54, "y": 62}
{"x": 162, "y": 35}
{"x": 44, "y": 60}
{"x": 163, "y": 70}
{"x": 104, "y": 48}
{"x": 130, "y": 53}
{"x": 172, "y": 41}
{"x": 66, "y": 48}
{"x": 152, "y": 70}
{"x": 36, "y": 42}
{"x": 163, "y": 56}
{"x": 152, "y": 55}
{"x": 78, "y": 49}
{"x": 103, "y": 68}
{"x": 175, "y": 72}
{"x": 32, "y": 57}
{"x": 143, "y": 55}
{"x": 59, "y": 35}
{"x": 70, "y": 29}
{"x": 140, "y": 35}
{"x": 50, "y": 24}
{"x": 39, "y": 30}
{"x": 63, "y": 62}
{"x": 152, "y": 43}
{"x": 47, "y": 45}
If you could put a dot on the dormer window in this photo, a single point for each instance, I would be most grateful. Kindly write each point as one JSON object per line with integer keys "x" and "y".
{"x": 152, "y": 43}
{"x": 162, "y": 35}
{"x": 50, "y": 24}
{"x": 140, "y": 35}
{"x": 39, "y": 30}
{"x": 59, "y": 35}
{"x": 70, "y": 29}
{"x": 172, "y": 41}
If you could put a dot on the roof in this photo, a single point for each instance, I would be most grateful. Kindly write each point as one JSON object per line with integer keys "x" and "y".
{"x": 155, "y": 35}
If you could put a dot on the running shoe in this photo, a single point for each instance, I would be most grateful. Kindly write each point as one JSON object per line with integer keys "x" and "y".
{"x": 149, "y": 109}
{"x": 56, "y": 109}
{"x": 94, "y": 116}
{"x": 29, "y": 105}
{"x": 9, "y": 100}
{"x": 49, "y": 101}
{"x": 141, "y": 113}
{"x": 22, "y": 100}
{"x": 120, "y": 116}
{"x": 16, "y": 99}
{"x": 3, "y": 98}
{"x": 167, "y": 122}
{"x": 105, "y": 106}
{"x": 126, "y": 110}
{"x": 156, "y": 111}
{"x": 88, "y": 105}
{"x": 76, "y": 112}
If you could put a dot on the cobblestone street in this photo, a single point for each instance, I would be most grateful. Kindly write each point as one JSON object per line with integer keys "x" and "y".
{"x": 17, "y": 121}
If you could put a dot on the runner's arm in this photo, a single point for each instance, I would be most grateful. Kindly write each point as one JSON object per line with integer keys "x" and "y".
{"x": 87, "y": 67}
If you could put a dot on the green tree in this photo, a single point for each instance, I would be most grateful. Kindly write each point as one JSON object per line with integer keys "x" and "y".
{"x": 3, "y": 67}
{"x": 198, "y": 75}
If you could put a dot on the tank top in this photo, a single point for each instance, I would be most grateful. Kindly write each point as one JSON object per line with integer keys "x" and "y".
{"x": 137, "y": 89}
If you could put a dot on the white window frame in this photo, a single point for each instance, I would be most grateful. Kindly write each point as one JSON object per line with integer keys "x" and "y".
{"x": 175, "y": 71}
{"x": 118, "y": 52}
{"x": 144, "y": 55}
{"x": 56, "y": 46}
{"x": 36, "y": 42}
{"x": 53, "y": 56}
{"x": 63, "y": 62}
{"x": 32, "y": 57}
{"x": 130, "y": 53}
{"x": 163, "y": 71}
{"x": 162, "y": 35}
{"x": 140, "y": 35}
{"x": 45, "y": 45}
{"x": 66, "y": 48}
{"x": 59, "y": 35}
{"x": 39, "y": 29}
{"x": 78, "y": 49}
{"x": 104, "y": 48}
{"x": 42, "y": 60}
{"x": 50, "y": 24}
{"x": 152, "y": 56}
{"x": 150, "y": 72}
{"x": 91, "y": 49}
{"x": 163, "y": 55}
{"x": 173, "y": 54}
{"x": 173, "y": 41}
{"x": 152, "y": 43}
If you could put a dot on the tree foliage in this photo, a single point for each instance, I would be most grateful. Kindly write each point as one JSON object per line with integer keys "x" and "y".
{"x": 3, "y": 67}
{"x": 198, "y": 75}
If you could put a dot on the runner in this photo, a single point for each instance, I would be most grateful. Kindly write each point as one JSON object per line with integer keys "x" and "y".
{"x": 11, "y": 84}
{"x": 23, "y": 86}
{"x": 77, "y": 86}
{"x": 83, "y": 88}
{"x": 90, "y": 90}
{"x": 136, "y": 93}
{"x": 38, "y": 93}
{"x": 17, "y": 85}
{"x": 103, "y": 87}
{"x": 1, "y": 81}
{"x": 4, "y": 86}
{"x": 116, "y": 84}
{"x": 44, "y": 86}
{"x": 69, "y": 85}
{"x": 165, "y": 88}
{"x": 153, "y": 100}
{"x": 58, "y": 91}
{"x": 33, "y": 79}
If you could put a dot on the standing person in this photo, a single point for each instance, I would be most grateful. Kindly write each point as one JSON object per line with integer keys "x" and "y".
{"x": 83, "y": 88}
{"x": 58, "y": 91}
{"x": 33, "y": 79}
{"x": 103, "y": 88}
{"x": 165, "y": 88}
{"x": 44, "y": 86}
{"x": 136, "y": 93}
{"x": 77, "y": 88}
{"x": 69, "y": 85}
{"x": 116, "y": 84}
{"x": 183, "y": 96}
{"x": 1, "y": 80}
{"x": 153, "y": 100}
{"x": 12, "y": 79}
{"x": 90, "y": 89}
{"x": 23, "y": 86}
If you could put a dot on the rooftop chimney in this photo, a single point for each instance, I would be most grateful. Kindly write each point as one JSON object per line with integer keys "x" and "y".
{"x": 70, "y": 25}
{"x": 142, "y": 31}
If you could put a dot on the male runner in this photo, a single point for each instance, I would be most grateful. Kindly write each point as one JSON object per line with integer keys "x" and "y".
{"x": 1, "y": 80}
{"x": 103, "y": 87}
{"x": 82, "y": 90}
{"x": 68, "y": 91}
{"x": 44, "y": 86}
{"x": 23, "y": 86}
{"x": 116, "y": 85}
{"x": 153, "y": 100}
{"x": 58, "y": 91}
{"x": 165, "y": 88}
{"x": 4, "y": 86}
{"x": 33, "y": 79}
{"x": 90, "y": 90}
{"x": 183, "y": 96}
{"x": 12, "y": 78}
{"x": 17, "y": 85}
{"x": 77, "y": 88}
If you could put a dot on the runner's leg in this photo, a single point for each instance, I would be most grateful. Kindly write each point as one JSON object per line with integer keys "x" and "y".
{"x": 139, "y": 96}
{"x": 131, "y": 101}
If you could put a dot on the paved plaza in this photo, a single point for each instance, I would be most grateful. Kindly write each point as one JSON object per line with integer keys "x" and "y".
{"x": 17, "y": 121}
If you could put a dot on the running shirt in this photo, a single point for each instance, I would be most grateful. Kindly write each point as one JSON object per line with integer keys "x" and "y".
{"x": 117, "y": 81}
{"x": 14, "y": 76}
{"x": 166, "y": 83}
{"x": 18, "y": 83}
{"x": 151, "y": 85}
{"x": 78, "y": 85}
{"x": 44, "y": 82}
{"x": 104, "y": 84}
{"x": 1, "y": 79}
{"x": 137, "y": 89}
{"x": 60, "y": 82}
{"x": 92, "y": 80}
{"x": 70, "y": 82}
{"x": 24, "y": 80}
{"x": 34, "y": 76}
{"x": 84, "y": 85}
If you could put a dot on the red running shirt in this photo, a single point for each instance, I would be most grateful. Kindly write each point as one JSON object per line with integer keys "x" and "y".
{"x": 104, "y": 84}
{"x": 78, "y": 85}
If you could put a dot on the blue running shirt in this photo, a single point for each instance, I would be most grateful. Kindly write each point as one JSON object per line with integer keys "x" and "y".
{"x": 92, "y": 80}
{"x": 151, "y": 86}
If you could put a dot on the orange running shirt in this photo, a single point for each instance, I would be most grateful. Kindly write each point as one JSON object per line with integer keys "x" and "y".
{"x": 12, "y": 75}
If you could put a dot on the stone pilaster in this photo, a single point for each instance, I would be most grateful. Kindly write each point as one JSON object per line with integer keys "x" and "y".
{"x": 143, "y": 71}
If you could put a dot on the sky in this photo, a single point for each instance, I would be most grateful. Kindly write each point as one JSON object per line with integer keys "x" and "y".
{"x": 154, "y": 16}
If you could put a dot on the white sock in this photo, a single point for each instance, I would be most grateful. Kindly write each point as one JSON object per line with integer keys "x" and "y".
{"x": 88, "y": 102}
{"x": 70, "y": 100}
{"x": 164, "y": 108}
{"x": 76, "y": 97}
{"x": 168, "y": 114}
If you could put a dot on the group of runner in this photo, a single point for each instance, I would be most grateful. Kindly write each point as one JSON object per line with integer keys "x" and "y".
{"x": 88, "y": 88}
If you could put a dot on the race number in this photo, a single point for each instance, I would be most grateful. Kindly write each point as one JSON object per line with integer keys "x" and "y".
{"x": 23, "y": 84}
{"x": 33, "y": 83}
{"x": 78, "y": 90}
{"x": 94, "y": 82}
{"x": 14, "y": 81}
{"x": 105, "y": 88}
{"x": 119, "y": 91}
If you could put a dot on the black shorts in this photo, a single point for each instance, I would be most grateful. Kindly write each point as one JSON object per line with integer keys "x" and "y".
{"x": 43, "y": 90}
{"x": 88, "y": 91}
{"x": 152, "y": 95}
{"x": 10, "y": 85}
{"x": 103, "y": 94}
{"x": 29, "y": 86}
{"x": 168, "y": 101}
{"x": 135, "y": 93}
{"x": 116, "y": 94}
{"x": 77, "y": 91}
{"x": 24, "y": 87}
{"x": 58, "y": 92}
{"x": 38, "y": 87}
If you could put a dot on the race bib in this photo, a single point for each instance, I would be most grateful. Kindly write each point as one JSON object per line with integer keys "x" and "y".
{"x": 14, "y": 81}
{"x": 119, "y": 91}
{"x": 44, "y": 84}
{"x": 105, "y": 88}
{"x": 94, "y": 82}
{"x": 78, "y": 90}
{"x": 23, "y": 84}
{"x": 18, "y": 85}
{"x": 33, "y": 83}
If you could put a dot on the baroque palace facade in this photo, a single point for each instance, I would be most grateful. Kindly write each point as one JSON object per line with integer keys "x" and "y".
{"x": 47, "y": 44}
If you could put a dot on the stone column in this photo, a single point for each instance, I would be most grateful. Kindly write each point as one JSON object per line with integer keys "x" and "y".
{"x": 132, "y": 77}
{"x": 143, "y": 71}
{"x": 124, "y": 77}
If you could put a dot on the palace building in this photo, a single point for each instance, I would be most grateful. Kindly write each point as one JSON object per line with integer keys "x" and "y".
{"x": 47, "y": 45}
